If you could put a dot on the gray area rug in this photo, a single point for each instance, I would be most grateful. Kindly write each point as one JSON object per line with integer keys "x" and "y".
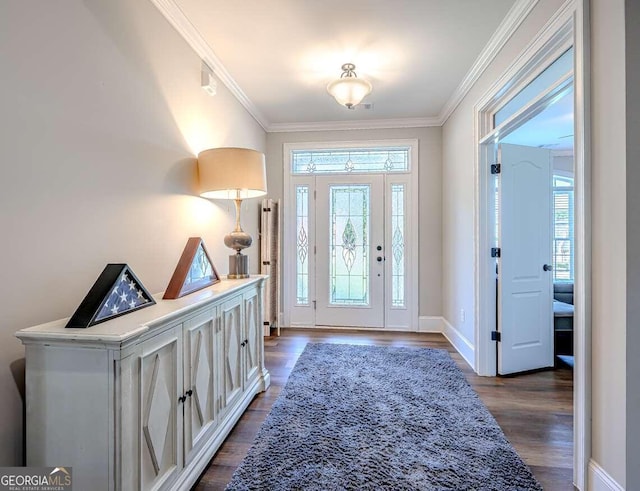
{"x": 371, "y": 418}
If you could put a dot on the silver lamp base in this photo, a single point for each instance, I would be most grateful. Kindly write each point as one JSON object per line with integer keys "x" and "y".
{"x": 238, "y": 240}
{"x": 238, "y": 266}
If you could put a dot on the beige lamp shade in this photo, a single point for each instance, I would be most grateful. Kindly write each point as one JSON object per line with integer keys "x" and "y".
{"x": 231, "y": 173}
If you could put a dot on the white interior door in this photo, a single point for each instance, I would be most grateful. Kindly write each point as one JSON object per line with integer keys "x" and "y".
{"x": 525, "y": 311}
{"x": 350, "y": 256}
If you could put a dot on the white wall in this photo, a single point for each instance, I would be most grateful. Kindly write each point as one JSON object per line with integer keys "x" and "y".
{"x": 632, "y": 68}
{"x": 609, "y": 266}
{"x": 458, "y": 192}
{"x": 429, "y": 194}
{"x": 608, "y": 220}
{"x": 102, "y": 115}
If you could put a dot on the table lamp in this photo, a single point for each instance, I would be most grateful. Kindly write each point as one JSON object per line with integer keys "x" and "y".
{"x": 237, "y": 174}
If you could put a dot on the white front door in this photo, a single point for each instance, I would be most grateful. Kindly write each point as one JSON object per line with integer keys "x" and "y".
{"x": 350, "y": 256}
{"x": 350, "y": 248}
{"x": 525, "y": 311}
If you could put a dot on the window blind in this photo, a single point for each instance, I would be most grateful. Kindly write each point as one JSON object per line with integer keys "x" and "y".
{"x": 563, "y": 234}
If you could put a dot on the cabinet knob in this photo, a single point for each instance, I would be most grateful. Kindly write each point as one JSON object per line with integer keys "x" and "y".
{"x": 189, "y": 392}
{"x": 182, "y": 399}
{"x": 242, "y": 344}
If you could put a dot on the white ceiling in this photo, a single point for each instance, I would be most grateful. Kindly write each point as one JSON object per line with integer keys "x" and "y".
{"x": 282, "y": 53}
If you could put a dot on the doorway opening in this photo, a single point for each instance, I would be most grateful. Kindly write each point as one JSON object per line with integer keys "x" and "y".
{"x": 535, "y": 233}
{"x": 533, "y": 216}
{"x": 535, "y": 84}
{"x": 351, "y": 223}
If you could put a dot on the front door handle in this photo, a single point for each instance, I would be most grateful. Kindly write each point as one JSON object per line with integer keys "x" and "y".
{"x": 547, "y": 267}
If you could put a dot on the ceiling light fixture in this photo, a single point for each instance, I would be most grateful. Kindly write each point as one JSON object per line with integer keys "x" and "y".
{"x": 349, "y": 90}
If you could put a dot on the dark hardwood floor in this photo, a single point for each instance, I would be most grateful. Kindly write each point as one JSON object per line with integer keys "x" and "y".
{"x": 534, "y": 410}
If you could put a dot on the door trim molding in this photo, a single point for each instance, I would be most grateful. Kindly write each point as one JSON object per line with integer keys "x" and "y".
{"x": 412, "y": 235}
{"x": 551, "y": 38}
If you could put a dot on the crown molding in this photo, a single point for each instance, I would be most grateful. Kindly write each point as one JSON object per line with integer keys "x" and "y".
{"x": 370, "y": 124}
{"x": 192, "y": 36}
{"x": 507, "y": 27}
{"x": 176, "y": 17}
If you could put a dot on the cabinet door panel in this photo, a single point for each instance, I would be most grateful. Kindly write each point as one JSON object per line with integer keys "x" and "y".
{"x": 199, "y": 379}
{"x": 232, "y": 330}
{"x": 252, "y": 336}
{"x": 160, "y": 412}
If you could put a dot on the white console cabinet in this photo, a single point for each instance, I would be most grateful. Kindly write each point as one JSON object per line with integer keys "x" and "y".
{"x": 143, "y": 401}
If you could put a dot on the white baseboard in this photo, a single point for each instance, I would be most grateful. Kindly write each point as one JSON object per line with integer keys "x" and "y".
{"x": 460, "y": 343}
{"x": 434, "y": 324}
{"x": 295, "y": 325}
{"x": 428, "y": 323}
{"x": 600, "y": 480}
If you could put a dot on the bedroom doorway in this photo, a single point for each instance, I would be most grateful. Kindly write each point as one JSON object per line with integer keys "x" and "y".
{"x": 526, "y": 243}
{"x": 535, "y": 289}
{"x": 351, "y": 225}
{"x": 563, "y": 37}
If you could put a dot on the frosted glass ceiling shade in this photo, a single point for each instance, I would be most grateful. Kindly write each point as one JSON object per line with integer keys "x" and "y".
{"x": 231, "y": 173}
{"x": 349, "y": 90}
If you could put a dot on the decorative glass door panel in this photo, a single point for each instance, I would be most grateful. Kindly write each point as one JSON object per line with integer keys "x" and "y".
{"x": 350, "y": 251}
{"x": 302, "y": 245}
{"x": 348, "y": 246}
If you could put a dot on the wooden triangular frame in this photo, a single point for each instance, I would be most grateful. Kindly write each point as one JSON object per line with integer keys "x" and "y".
{"x": 116, "y": 292}
{"x": 182, "y": 283}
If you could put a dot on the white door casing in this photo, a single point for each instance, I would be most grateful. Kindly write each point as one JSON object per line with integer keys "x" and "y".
{"x": 299, "y": 257}
{"x": 401, "y": 251}
{"x": 398, "y": 222}
{"x": 525, "y": 312}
